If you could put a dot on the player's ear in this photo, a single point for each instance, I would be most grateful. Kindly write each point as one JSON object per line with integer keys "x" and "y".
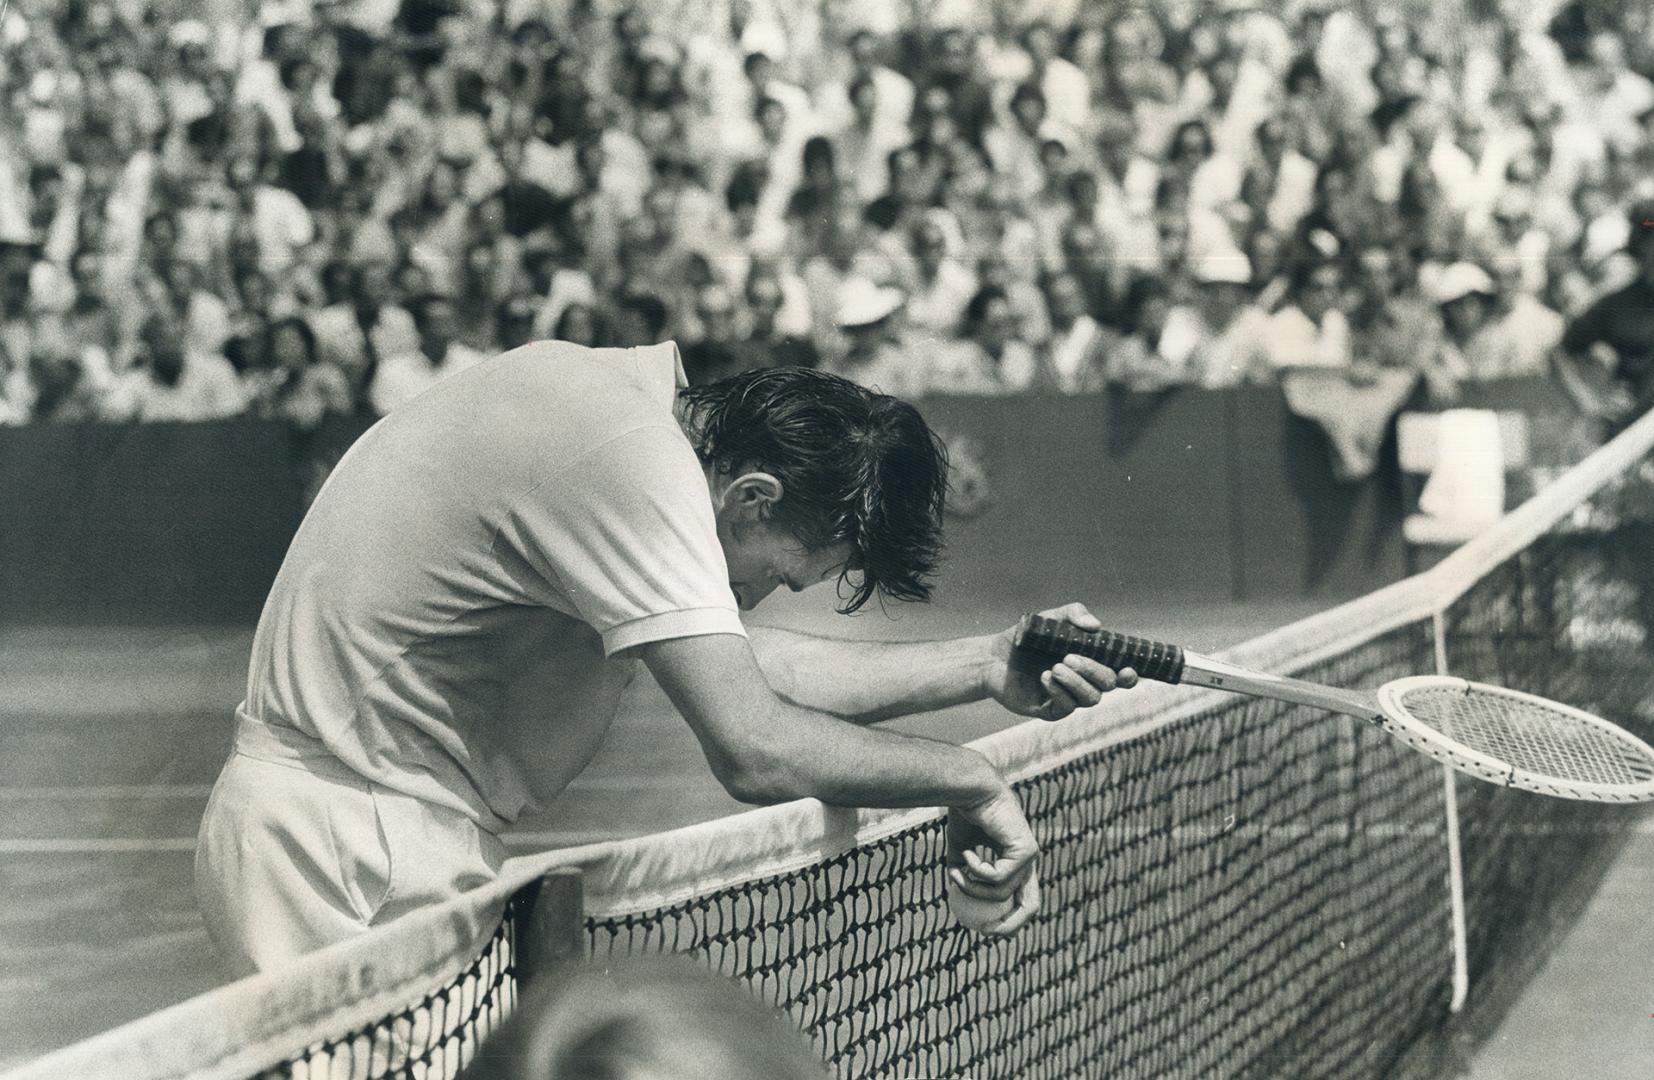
{"x": 754, "y": 495}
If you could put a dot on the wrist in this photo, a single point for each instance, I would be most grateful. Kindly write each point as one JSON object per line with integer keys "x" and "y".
{"x": 985, "y": 785}
{"x": 990, "y": 655}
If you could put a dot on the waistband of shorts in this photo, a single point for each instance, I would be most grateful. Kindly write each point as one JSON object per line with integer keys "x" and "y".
{"x": 279, "y": 744}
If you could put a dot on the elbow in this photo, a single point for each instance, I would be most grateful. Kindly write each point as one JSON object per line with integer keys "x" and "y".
{"x": 758, "y": 779}
{"x": 757, "y": 787}
{"x": 753, "y": 791}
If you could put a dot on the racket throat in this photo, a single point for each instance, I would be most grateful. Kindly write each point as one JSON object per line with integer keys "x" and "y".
{"x": 1217, "y": 675}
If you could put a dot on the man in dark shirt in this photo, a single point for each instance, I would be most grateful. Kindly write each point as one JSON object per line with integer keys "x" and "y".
{"x": 716, "y": 352}
{"x": 1607, "y": 355}
{"x": 769, "y": 344}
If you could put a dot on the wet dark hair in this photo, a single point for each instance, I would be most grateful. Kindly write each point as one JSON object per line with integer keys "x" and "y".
{"x": 856, "y": 467}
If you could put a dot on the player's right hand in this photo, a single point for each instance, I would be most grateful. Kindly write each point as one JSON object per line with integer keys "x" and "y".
{"x": 998, "y": 826}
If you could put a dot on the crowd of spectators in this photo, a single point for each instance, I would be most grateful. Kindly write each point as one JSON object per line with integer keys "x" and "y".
{"x": 304, "y": 208}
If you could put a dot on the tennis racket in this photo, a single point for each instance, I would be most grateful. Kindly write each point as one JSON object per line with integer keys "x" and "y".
{"x": 1501, "y": 736}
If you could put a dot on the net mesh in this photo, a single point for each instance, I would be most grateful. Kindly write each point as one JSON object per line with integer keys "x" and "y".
{"x": 431, "y": 1038}
{"x": 1551, "y": 743}
{"x": 1218, "y": 897}
{"x": 1232, "y": 887}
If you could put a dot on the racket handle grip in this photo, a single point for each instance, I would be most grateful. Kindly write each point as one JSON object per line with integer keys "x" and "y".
{"x": 1041, "y": 642}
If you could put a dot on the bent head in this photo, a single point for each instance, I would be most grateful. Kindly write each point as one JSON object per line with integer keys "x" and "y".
{"x": 816, "y": 478}
{"x": 643, "y": 1019}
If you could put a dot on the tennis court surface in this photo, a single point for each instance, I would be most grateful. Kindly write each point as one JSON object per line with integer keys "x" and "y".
{"x": 1233, "y": 887}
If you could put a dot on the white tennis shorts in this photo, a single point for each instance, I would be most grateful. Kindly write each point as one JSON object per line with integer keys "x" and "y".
{"x": 293, "y": 856}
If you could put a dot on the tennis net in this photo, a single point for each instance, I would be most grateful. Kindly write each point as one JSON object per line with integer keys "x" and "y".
{"x": 1232, "y": 887}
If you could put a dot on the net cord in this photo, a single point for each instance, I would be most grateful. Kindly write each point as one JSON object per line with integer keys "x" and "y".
{"x": 1455, "y": 857}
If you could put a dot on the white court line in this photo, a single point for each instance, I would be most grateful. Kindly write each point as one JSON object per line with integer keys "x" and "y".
{"x": 138, "y": 845}
{"x": 77, "y": 846}
{"x": 608, "y": 784}
{"x": 108, "y": 791}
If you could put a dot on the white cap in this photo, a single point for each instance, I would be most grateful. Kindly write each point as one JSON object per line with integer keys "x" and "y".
{"x": 862, "y": 303}
{"x": 1226, "y": 268}
{"x": 372, "y": 242}
{"x": 766, "y": 38}
{"x": 1513, "y": 203}
{"x": 189, "y": 32}
{"x": 1325, "y": 242}
{"x": 1461, "y": 280}
{"x": 43, "y": 86}
{"x": 662, "y": 48}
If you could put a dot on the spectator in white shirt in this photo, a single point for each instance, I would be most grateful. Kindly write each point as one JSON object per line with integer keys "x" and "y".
{"x": 294, "y": 385}
{"x": 1221, "y": 338}
{"x": 555, "y": 275}
{"x": 865, "y": 140}
{"x": 1078, "y": 349}
{"x": 1014, "y": 147}
{"x": 1213, "y": 180}
{"x": 1012, "y": 276}
{"x": 1464, "y": 295}
{"x": 1066, "y": 89}
{"x": 942, "y": 283}
{"x": 1515, "y": 237}
{"x": 205, "y": 318}
{"x": 1311, "y": 330}
{"x": 1136, "y": 361}
{"x": 278, "y": 219}
{"x": 1278, "y": 185}
{"x": 1521, "y": 332}
{"x": 360, "y": 332}
{"x": 993, "y": 358}
{"x": 890, "y": 94}
{"x": 765, "y": 85}
{"x": 1126, "y": 180}
{"x": 405, "y": 375}
{"x": 170, "y": 383}
{"x": 1611, "y": 97}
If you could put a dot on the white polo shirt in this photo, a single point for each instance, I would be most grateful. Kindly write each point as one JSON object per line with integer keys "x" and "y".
{"x": 446, "y": 621}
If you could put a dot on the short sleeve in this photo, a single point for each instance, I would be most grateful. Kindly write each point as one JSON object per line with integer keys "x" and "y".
{"x": 626, "y": 536}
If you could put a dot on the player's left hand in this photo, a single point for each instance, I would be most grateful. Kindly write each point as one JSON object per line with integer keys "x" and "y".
{"x": 1078, "y": 682}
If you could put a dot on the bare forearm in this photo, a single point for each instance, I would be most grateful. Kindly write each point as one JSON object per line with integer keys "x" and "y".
{"x": 865, "y": 682}
{"x": 764, "y": 749}
{"x": 822, "y": 757}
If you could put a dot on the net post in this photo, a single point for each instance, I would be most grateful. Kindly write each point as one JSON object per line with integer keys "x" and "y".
{"x": 1455, "y": 855}
{"x": 552, "y": 931}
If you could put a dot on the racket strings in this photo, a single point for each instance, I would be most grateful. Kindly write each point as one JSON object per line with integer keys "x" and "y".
{"x": 1531, "y": 737}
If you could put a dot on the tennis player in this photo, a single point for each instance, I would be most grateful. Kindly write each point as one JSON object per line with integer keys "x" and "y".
{"x": 488, "y": 566}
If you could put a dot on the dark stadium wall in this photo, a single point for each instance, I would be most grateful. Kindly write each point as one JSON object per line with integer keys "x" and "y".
{"x": 116, "y": 523}
{"x": 1124, "y": 496}
{"x": 1115, "y": 496}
